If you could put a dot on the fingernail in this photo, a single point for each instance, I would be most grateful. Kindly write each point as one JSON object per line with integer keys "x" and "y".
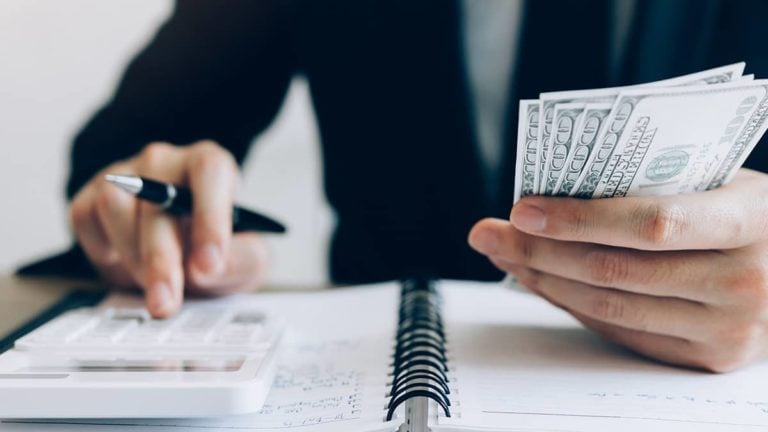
{"x": 485, "y": 241}
{"x": 162, "y": 297}
{"x": 208, "y": 259}
{"x": 529, "y": 218}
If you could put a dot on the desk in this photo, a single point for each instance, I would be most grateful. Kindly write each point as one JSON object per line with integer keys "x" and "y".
{"x": 21, "y": 299}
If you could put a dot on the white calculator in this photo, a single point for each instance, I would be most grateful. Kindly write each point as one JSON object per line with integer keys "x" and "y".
{"x": 120, "y": 363}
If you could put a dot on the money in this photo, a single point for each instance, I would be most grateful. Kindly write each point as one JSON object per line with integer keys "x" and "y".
{"x": 608, "y": 95}
{"x": 527, "y": 139}
{"x": 546, "y": 116}
{"x": 680, "y": 135}
{"x": 672, "y": 141}
{"x": 581, "y": 149}
{"x": 566, "y": 120}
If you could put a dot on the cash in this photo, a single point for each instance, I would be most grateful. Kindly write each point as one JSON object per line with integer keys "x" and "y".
{"x": 685, "y": 134}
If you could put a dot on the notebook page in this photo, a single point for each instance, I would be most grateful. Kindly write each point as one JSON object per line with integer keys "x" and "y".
{"x": 520, "y": 364}
{"x": 332, "y": 371}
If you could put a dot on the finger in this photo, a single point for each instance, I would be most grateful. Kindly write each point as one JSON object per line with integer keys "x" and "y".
{"x": 739, "y": 210}
{"x": 160, "y": 246}
{"x": 212, "y": 175}
{"x": 88, "y": 230}
{"x": 245, "y": 267}
{"x": 664, "y": 316}
{"x": 694, "y": 275}
{"x": 668, "y": 349}
{"x": 117, "y": 213}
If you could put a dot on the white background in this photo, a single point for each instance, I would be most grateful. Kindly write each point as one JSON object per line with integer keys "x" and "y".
{"x": 59, "y": 61}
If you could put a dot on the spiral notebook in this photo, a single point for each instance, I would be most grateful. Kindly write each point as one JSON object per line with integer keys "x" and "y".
{"x": 458, "y": 356}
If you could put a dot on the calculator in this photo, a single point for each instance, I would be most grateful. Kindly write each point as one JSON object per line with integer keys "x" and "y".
{"x": 121, "y": 363}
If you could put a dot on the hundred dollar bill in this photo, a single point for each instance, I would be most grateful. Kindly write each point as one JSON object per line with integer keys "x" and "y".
{"x": 671, "y": 141}
{"x": 583, "y": 142}
{"x": 546, "y": 116}
{"x": 608, "y": 95}
{"x": 527, "y": 143}
{"x": 565, "y": 123}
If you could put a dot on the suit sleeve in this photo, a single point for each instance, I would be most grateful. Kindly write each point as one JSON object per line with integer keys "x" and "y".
{"x": 215, "y": 70}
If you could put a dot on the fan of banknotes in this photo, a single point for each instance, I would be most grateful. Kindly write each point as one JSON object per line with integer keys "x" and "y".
{"x": 685, "y": 134}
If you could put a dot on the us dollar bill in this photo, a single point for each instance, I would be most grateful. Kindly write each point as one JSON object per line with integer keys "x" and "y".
{"x": 593, "y": 170}
{"x": 743, "y": 145}
{"x": 565, "y": 123}
{"x": 527, "y": 145}
{"x": 546, "y": 116}
{"x": 583, "y": 143}
{"x": 608, "y": 95}
{"x": 678, "y": 140}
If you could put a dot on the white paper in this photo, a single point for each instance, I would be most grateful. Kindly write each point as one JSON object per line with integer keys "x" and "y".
{"x": 520, "y": 364}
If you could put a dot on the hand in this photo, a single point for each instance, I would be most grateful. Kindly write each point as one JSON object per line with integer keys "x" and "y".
{"x": 133, "y": 243}
{"x": 682, "y": 279}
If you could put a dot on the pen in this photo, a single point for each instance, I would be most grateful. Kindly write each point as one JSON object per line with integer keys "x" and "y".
{"x": 177, "y": 200}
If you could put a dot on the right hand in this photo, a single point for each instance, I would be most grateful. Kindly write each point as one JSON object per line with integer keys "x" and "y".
{"x": 133, "y": 243}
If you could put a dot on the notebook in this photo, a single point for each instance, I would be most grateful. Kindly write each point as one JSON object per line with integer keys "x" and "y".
{"x": 511, "y": 363}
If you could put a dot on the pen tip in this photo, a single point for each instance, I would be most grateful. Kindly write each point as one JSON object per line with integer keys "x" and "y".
{"x": 130, "y": 183}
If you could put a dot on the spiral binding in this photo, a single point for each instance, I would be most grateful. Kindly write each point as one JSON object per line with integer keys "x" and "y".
{"x": 420, "y": 367}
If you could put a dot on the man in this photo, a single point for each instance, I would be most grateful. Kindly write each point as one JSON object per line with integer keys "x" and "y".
{"x": 414, "y": 158}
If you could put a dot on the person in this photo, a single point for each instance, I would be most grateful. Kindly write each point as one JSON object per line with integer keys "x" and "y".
{"x": 416, "y": 105}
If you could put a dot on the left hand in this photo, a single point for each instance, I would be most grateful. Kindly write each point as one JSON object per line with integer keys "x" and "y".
{"x": 682, "y": 279}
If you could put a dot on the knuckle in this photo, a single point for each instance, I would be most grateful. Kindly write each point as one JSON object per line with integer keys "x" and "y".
{"x": 580, "y": 224}
{"x": 609, "y": 306}
{"x": 212, "y": 157}
{"x": 207, "y": 145}
{"x": 608, "y": 267}
{"x": 155, "y": 154}
{"x": 525, "y": 252}
{"x": 742, "y": 336}
{"x": 749, "y": 283}
{"x": 661, "y": 224}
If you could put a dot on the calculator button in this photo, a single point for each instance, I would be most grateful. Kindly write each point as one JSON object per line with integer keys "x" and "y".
{"x": 192, "y": 330}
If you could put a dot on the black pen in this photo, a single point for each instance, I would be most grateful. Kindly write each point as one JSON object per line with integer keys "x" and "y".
{"x": 177, "y": 200}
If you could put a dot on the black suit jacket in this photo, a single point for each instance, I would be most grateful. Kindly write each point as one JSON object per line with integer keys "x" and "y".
{"x": 389, "y": 88}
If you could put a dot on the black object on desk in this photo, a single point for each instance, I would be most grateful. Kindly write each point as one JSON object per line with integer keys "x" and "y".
{"x": 73, "y": 300}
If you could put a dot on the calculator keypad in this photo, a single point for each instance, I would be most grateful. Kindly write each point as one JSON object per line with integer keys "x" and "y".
{"x": 193, "y": 329}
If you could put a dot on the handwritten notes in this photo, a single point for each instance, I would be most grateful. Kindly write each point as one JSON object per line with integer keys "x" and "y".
{"x": 328, "y": 391}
